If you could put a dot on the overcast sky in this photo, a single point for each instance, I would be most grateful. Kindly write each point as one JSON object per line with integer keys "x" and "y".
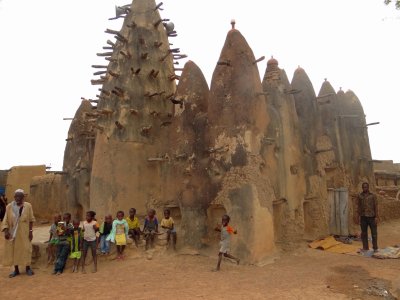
{"x": 48, "y": 46}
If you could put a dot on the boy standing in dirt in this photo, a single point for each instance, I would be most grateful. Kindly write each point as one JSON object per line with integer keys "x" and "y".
{"x": 226, "y": 232}
{"x": 90, "y": 227}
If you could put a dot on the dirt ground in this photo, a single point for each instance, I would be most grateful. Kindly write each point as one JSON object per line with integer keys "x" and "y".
{"x": 302, "y": 274}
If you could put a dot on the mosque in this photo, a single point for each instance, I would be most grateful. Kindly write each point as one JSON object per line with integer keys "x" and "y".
{"x": 284, "y": 162}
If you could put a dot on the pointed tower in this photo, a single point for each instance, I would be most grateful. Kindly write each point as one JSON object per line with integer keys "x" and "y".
{"x": 329, "y": 147}
{"x": 315, "y": 208}
{"x": 78, "y": 159}
{"x": 238, "y": 121}
{"x": 361, "y": 158}
{"x": 188, "y": 138}
{"x": 289, "y": 147}
{"x": 129, "y": 159}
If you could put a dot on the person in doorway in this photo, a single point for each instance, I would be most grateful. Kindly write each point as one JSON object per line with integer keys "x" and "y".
{"x": 226, "y": 232}
{"x": 18, "y": 232}
{"x": 368, "y": 216}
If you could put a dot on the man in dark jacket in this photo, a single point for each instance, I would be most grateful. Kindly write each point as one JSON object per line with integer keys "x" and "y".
{"x": 367, "y": 215}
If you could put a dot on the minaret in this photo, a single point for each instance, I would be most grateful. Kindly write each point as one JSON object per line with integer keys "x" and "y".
{"x": 78, "y": 159}
{"x": 289, "y": 145}
{"x": 316, "y": 224}
{"x": 188, "y": 138}
{"x": 359, "y": 143}
{"x": 238, "y": 122}
{"x": 134, "y": 104}
{"x": 329, "y": 147}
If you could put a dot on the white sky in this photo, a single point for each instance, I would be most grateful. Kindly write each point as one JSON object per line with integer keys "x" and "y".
{"x": 48, "y": 46}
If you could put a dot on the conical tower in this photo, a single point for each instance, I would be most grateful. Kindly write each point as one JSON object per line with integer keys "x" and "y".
{"x": 78, "y": 158}
{"x": 238, "y": 122}
{"x": 290, "y": 148}
{"x": 134, "y": 107}
{"x": 361, "y": 158}
{"x": 316, "y": 208}
{"x": 188, "y": 136}
{"x": 329, "y": 147}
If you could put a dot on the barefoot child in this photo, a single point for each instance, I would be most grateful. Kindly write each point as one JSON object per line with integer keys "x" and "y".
{"x": 90, "y": 227}
{"x": 119, "y": 234}
{"x": 168, "y": 224}
{"x": 53, "y": 240}
{"x": 134, "y": 226}
{"x": 76, "y": 244}
{"x": 226, "y": 232}
{"x": 105, "y": 230}
{"x": 64, "y": 230}
{"x": 150, "y": 228}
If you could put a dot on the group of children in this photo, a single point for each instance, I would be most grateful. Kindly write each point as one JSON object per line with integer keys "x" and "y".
{"x": 71, "y": 240}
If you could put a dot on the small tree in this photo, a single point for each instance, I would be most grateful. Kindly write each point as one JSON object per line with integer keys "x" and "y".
{"x": 397, "y": 3}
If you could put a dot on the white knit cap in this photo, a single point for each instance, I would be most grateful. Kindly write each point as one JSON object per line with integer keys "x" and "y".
{"x": 19, "y": 191}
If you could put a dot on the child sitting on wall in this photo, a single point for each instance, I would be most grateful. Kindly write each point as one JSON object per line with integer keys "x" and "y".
{"x": 226, "y": 232}
{"x": 64, "y": 230}
{"x": 167, "y": 223}
{"x": 105, "y": 230}
{"x": 134, "y": 226}
{"x": 53, "y": 240}
{"x": 150, "y": 228}
{"x": 119, "y": 234}
{"x": 76, "y": 244}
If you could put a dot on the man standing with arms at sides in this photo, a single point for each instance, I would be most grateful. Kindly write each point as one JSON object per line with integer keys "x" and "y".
{"x": 17, "y": 228}
{"x": 367, "y": 215}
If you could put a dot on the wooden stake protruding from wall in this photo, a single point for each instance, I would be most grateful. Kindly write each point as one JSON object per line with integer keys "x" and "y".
{"x": 258, "y": 60}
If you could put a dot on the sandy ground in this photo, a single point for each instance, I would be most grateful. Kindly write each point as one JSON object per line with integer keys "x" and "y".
{"x": 303, "y": 274}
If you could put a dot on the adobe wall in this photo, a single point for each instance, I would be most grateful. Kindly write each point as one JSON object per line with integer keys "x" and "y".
{"x": 48, "y": 195}
{"x": 19, "y": 177}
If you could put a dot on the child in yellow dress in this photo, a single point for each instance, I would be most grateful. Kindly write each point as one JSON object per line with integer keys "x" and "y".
{"x": 119, "y": 234}
{"x": 76, "y": 244}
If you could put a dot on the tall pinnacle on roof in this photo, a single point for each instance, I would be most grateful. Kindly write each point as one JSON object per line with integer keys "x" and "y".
{"x": 235, "y": 86}
{"x": 140, "y": 76}
{"x": 326, "y": 88}
{"x": 135, "y": 104}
